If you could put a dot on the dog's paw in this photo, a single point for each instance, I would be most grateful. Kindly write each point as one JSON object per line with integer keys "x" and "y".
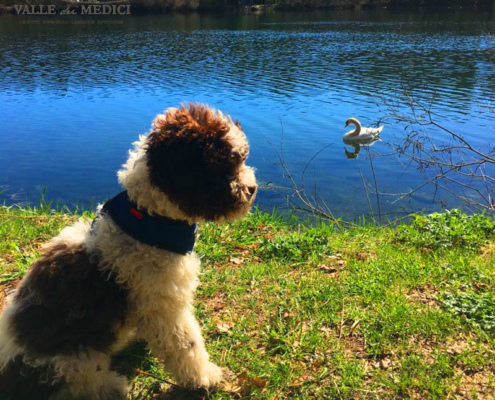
{"x": 209, "y": 376}
{"x": 213, "y": 377}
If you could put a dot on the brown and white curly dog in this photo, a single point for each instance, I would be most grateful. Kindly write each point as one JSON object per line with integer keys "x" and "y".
{"x": 131, "y": 273}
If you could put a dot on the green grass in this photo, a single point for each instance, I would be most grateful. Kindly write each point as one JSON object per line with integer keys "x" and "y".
{"x": 300, "y": 311}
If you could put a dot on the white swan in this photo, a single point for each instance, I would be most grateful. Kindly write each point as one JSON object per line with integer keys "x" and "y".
{"x": 361, "y": 135}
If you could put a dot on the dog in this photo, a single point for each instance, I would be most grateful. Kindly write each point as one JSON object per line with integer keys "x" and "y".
{"x": 131, "y": 273}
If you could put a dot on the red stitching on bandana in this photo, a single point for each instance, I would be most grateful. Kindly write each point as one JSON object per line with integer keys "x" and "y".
{"x": 136, "y": 213}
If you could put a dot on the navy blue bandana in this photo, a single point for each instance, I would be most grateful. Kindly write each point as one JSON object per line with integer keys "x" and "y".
{"x": 161, "y": 232}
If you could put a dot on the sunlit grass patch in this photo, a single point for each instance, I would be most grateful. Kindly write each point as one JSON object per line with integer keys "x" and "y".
{"x": 300, "y": 311}
{"x": 22, "y": 232}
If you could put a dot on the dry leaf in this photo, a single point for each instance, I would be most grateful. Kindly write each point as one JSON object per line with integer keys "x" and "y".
{"x": 258, "y": 382}
{"x": 245, "y": 386}
{"x": 231, "y": 387}
{"x": 236, "y": 260}
{"x": 305, "y": 377}
{"x": 243, "y": 376}
{"x": 457, "y": 347}
{"x": 327, "y": 268}
{"x": 222, "y": 326}
{"x": 365, "y": 256}
{"x": 326, "y": 330}
{"x": 247, "y": 382}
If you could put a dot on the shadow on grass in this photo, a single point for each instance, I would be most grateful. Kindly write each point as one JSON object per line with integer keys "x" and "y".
{"x": 135, "y": 357}
{"x": 177, "y": 393}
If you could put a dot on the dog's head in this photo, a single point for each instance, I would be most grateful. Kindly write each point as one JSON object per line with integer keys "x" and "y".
{"x": 195, "y": 156}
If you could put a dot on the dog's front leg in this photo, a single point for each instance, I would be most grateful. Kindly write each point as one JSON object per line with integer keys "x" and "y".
{"x": 176, "y": 339}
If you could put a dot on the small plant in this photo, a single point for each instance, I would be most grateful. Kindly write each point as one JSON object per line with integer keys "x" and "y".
{"x": 477, "y": 308}
{"x": 297, "y": 246}
{"x": 448, "y": 229}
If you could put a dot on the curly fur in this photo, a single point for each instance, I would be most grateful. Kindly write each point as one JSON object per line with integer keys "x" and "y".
{"x": 192, "y": 150}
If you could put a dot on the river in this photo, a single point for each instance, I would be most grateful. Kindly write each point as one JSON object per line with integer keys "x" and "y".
{"x": 74, "y": 96}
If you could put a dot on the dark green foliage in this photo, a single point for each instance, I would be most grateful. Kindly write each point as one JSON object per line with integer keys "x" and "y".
{"x": 477, "y": 308}
{"x": 449, "y": 229}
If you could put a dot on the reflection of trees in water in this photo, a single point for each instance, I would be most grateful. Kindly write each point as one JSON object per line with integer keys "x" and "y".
{"x": 280, "y": 58}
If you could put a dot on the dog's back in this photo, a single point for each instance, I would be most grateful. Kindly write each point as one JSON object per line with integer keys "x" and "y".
{"x": 64, "y": 306}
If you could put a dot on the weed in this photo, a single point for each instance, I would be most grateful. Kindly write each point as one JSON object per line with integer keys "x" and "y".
{"x": 297, "y": 246}
{"x": 449, "y": 229}
{"x": 476, "y": 308}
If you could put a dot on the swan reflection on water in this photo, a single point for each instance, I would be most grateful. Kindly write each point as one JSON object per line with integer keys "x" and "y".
{"x": 357, "y": 148}
{"x": 360, "y": 136}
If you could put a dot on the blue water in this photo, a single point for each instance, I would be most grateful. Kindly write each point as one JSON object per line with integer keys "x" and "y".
{"x": 74, "y": 97}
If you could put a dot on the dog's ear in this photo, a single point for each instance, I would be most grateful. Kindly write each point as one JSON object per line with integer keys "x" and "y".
{"x": 191, "y": 159}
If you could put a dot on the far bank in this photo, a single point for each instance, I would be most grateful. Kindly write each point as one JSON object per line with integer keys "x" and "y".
{"x": 150, "y": 6}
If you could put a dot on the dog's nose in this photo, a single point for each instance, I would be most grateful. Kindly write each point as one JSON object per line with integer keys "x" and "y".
{"x": 252, "y": 190}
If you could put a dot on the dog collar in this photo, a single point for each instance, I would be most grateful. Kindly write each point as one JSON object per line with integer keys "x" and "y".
{"x": 156, "y": 231}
